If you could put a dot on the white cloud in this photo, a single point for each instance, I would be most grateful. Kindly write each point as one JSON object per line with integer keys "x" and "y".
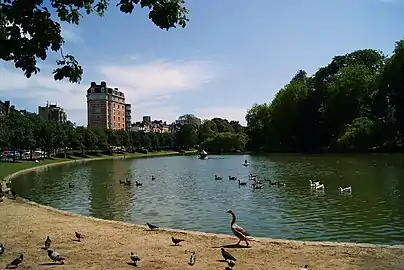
{"x": 158, "y": 80}
{"x": 71, "y": 33}
{"x": 229, "y": 113}
{"x": 147, "y": 86}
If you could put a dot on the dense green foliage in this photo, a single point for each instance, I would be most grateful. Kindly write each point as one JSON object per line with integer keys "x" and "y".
{"x": 28, "y": 31}
{"x": 28, "y": 132}
{"x": 355, "y": 103}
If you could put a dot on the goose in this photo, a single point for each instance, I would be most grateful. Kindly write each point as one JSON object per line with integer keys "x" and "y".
{"x": 241, "y": 183}
{"x": 218, "y": 177}
{"x": 232, "y": 178}
{"x": 122, "y": 181}
{"x": 153, "y": 178}
{"x": 238, "y": 231}
{"x": 71, "y": 185}
{"x": 345, "y": 189}
{"x": 321, "y": 186}
{"x": 314, "y": 184}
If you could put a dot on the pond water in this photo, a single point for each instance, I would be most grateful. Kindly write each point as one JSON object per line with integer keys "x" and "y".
{"x": 185, "y": 194}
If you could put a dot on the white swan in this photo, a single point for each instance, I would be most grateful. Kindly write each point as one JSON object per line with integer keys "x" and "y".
{"x": 314, "y": 184}
{"x": 345, "y": 189}
{"x": 321, "y": 186}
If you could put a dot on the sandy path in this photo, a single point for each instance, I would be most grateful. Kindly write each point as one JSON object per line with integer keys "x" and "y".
{"x": 24, "y": 226}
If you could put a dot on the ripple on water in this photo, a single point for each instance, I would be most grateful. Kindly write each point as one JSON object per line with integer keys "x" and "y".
{"x": 186, "y": 196}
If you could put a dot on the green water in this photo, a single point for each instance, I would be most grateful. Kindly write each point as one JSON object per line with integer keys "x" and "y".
{"x": 186, "y": 196}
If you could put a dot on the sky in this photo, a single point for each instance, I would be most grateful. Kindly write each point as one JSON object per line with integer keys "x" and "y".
{"x": 230, "y": 56}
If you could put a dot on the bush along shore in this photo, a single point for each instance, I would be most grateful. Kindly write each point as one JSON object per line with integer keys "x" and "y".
{"x": 107, "y": 244}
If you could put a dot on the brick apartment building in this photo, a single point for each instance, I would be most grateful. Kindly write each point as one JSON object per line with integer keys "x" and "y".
{"x": 106, "y": 108}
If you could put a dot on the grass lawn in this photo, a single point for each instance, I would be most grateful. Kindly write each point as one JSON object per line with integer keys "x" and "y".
{"x": 7, "y": 168}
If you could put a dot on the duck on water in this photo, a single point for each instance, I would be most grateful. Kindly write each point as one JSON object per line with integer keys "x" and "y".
{"x": 203, "y": 155}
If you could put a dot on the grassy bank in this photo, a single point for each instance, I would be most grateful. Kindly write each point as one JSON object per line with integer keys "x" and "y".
{"x": 7, "y": 168}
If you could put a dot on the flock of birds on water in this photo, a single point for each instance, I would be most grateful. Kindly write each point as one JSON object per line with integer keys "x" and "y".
{"x": 238, "y": 231}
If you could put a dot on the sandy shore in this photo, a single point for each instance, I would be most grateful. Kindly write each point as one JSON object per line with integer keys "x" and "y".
{"x": 25, "y": 225}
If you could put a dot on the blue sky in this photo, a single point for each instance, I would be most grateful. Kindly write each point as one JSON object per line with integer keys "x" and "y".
{"x": 230, "y": 56}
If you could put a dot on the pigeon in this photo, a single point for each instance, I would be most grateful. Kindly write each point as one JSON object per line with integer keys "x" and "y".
{"x": 227, "y": 256}
{"x": 192, "y": 259}
{"x": 14, "y": 263}
{"x": 48, "y": 243}
{"x": 134, "y": 258}
{"x": 78, "y": 236}
{"x": 54, "y": 256}
{"x": 2, "y": 249}
{"x": 176, "y": 241}
{"x": 151, "y": 226}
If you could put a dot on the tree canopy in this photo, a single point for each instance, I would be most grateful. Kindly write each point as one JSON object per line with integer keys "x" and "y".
{"x": 29, "y": 29}
{"x": 353, "y": 103}
{"x": 28, "y": 133}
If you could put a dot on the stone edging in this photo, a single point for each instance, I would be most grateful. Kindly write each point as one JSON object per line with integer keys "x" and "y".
{"x": 196, "y": 233}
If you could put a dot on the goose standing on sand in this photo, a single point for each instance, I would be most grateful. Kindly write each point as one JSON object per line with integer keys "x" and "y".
{"x": 238, "y": 231}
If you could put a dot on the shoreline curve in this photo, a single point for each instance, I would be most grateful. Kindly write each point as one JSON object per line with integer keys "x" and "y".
{"x": 263, "y": 243}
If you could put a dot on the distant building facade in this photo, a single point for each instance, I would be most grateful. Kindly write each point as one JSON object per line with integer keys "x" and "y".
{"x": 128, "y": 116}
{"x": 106, "y": 107}
{"x": 5, "y": 107}
{"x": 52, "y": 112}
{"x": 156, "y": 126}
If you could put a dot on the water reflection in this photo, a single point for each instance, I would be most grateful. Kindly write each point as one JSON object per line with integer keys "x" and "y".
{"x": 108, "y": 198}
{"x": 185, "y": 195}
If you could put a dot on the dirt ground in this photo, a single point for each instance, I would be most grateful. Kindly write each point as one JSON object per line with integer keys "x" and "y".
{"x": 24, "y": 227}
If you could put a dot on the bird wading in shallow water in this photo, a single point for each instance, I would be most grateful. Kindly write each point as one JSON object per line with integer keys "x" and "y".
{"x": 238, "y": 231}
